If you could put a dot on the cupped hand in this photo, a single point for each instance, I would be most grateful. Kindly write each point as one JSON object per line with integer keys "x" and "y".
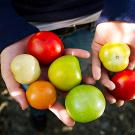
{"x": 122, "y": 32}
{"x": 14, "y": 88}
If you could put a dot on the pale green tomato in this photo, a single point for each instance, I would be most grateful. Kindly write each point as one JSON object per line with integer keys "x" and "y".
{"x": 65, "y": 72}
{"x": 25, "y": 68}
{"x": 85, "y": 103}
{"x": 115, "y": 56}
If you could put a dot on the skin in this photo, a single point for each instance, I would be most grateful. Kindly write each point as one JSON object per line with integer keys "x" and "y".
{"x": 105, "y": 32}
{"x": 85, "y": 103}
{"x": 111, "y": 32}
{"x": 66, "y": 64}
{"x": 17, "y": 92}
{"x": 114, "y": 56}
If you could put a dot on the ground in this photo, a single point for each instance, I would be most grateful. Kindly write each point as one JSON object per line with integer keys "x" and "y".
{"x": 114, "y": 121}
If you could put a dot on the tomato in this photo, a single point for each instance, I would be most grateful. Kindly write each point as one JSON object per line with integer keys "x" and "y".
{"x": 65, "y": 72}
{"x": 41, "y": 95}
{"x": 45, "y": 46}
{"x": 125, "y": 85}
{"x": 25, "y": 68}
{"x": 115, "y": 56}
{"x": 85, "y": 103}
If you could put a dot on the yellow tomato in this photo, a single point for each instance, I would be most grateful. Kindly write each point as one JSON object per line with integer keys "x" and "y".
{"x": 25, "y": 68}
{"x": 115, "y": 56}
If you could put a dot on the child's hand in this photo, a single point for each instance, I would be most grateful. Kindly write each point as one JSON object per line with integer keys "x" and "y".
{"x": 15, "y": 89}
{"x": 111, "y": 32}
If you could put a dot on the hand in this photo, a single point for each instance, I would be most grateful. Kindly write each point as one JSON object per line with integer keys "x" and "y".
{"x": 111, "y": 32}
{"x": 14, "y": 88}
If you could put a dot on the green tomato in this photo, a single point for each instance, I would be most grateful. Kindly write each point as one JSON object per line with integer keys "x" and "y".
{"x": 85, "y": 103}
{"x": 115, "y": 56}
{"x": 25, "y": 68}
{"x": 65, "y": 72}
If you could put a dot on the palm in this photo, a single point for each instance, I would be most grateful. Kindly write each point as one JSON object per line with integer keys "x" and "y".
{"x": 111, "y": 32}
{"x": 15, "y": 89}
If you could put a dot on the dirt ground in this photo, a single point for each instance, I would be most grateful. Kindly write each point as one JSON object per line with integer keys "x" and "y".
{"x": 115, "y": 121}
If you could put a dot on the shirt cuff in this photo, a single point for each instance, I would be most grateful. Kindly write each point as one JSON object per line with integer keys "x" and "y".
{"x": 118, "y": 10}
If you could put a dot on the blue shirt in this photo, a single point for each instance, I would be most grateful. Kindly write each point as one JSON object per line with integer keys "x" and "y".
{"x": 15, "y": 14}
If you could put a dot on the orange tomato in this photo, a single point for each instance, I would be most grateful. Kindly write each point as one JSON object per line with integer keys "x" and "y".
{"x": 41, "y": 95}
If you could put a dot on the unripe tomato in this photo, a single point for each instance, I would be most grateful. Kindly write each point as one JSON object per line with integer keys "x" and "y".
{"x": 85, "y": 103}
{"x": 41, "y": 95}
{"x": 45, "y": 46}
{"x": 65, "y": 72}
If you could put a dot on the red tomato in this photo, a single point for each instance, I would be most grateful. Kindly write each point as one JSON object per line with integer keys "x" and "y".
{"x": 125, "y": 85}
{"x": 41, "y": 94}
{"x": 45, "y": 46}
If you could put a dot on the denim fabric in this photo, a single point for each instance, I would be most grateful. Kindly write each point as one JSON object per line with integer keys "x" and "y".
{"x": 82, "y": 39}
{"x": 34, "y": 112}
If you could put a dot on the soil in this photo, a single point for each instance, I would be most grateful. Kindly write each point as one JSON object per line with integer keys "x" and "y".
{"x": 114, "y": 121}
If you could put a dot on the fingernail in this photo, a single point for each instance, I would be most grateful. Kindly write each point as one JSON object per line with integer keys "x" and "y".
{"x": 120, "y": 103}
{"x": 23, "y": 105}
{"x": 24, "y": 108}
{"x": 88, "y": 54}
{"x": 97, "y": 76}
{"x": 113, "y": 101}
{"x": 66, "y": 119}
{"x": 89, "y": 81}
{"x": 72, "y": 124}
{"x": 112, "y": 86}
{"x": 131, "y": 66}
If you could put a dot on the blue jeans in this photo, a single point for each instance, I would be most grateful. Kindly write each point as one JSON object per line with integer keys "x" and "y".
{"x": 82, "y": 39}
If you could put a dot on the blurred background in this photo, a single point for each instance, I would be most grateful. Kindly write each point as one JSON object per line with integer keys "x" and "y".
{"x": 114, "y": 121}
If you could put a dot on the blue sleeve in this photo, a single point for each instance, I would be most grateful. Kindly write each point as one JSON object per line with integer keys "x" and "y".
{"x": 12, "y": 27}
{"x": 118, "y": 10}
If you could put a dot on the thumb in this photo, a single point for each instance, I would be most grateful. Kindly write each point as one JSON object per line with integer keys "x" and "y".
{"x": 13, "y": 87}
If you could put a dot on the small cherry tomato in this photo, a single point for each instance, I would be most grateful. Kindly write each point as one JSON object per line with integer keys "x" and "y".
{"x": 45, "y": 46}
{"x": 41, "y": 95}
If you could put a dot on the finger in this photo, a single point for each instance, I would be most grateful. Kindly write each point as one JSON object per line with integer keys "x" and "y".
{"x": 131, "y": 64}
{"x": 16, "y": 92}
{"x": 96, "y": 65}
{"x": 106, "y": 81}
{"x": 109, "y": 98}
{"x": 120, "y": 103}
{"x": 88, "y": 80}
{"x": 77, "y": 52}
{"x": 62, "y": 114}
{"x": 44, "y": 71}
{"x": 13, "y": 87}
{"x": 19, "y": 95}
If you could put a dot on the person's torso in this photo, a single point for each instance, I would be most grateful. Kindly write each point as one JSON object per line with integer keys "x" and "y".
{"x": 52, "y": 10}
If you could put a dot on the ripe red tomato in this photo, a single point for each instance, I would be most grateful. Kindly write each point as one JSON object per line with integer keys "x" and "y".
{"x": 45, "y": 46}
{"x": 41, "y": 94}
{"x": 125, "y": 85}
